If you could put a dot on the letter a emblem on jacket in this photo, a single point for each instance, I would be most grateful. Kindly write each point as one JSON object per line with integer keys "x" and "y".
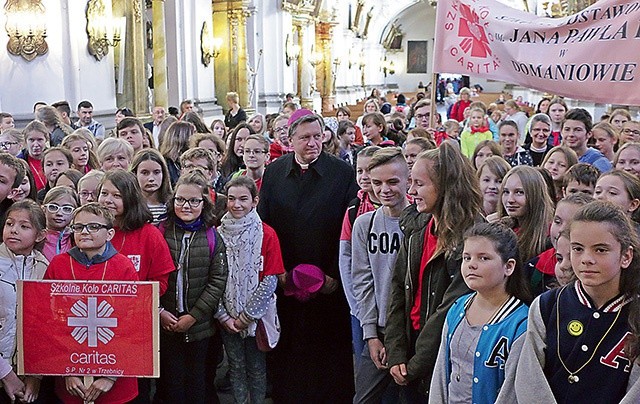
{"x": 499, "y": 351}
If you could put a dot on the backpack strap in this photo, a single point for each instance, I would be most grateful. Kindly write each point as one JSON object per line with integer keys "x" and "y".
{"x": 162, "y": 226}
{"x": 211, "y": 240}
{"x": 353, "y": 210}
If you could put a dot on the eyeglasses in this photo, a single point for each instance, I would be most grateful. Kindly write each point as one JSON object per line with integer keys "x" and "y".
{"x": 422, "y": 116}
{"x": 281, "y": 129}
{"x": 627, "y": 131}
{"x": 193, "y": 202}
{"x": 86, "y": 194}
{"x": 256, "y": 152}
{"x": 54, "y": 208}
{"x": 189, "y": 168}
{"x": 6, "y": 145}
{"x": 90, "y": 227}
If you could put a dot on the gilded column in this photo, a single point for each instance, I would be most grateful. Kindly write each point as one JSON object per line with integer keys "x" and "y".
{"x": 135, "y": 89}
{"x": 325, "y": 79}
{"x": 306, "y": 71}
{"x": 160, "y": 87}
{"x": 231, "y": 72}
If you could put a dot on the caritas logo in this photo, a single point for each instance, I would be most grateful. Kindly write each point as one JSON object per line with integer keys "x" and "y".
{"x": 92, "y": 322}
{"x": 471, "y": 48}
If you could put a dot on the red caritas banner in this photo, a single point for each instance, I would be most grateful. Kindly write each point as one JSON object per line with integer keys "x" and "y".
{"x": 88, "y": 328}
{"x": 592, "y": 55}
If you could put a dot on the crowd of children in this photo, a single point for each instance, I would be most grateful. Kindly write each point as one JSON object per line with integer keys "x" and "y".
{"x": 494, "y": 260}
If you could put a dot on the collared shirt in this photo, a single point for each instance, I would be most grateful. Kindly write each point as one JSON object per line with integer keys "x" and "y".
{"x": 95, "y": 127}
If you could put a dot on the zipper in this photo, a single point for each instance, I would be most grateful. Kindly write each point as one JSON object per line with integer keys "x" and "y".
{"x": 186, "y": 286}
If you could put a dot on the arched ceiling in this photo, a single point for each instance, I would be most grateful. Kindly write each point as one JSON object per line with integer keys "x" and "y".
{"x": 385, "y": 13}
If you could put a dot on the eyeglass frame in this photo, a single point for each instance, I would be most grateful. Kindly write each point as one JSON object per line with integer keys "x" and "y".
{"x": 57, "y": 208}
{"x": 255, "y": 152}
{"x": 190, "y": 201}
{"x": 85, "y": 226}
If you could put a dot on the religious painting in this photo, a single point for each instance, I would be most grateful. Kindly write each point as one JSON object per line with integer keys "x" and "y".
{"x": 416, "y": 56}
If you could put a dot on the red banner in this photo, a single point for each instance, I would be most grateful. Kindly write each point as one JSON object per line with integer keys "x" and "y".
{"x": 88, "y": 328}
{"x": 592, "y": 55}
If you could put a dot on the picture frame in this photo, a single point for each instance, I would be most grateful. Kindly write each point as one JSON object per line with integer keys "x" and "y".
{"x": 417, "y": 56}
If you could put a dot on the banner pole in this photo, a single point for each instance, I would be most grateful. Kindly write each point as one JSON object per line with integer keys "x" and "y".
{"x": 88, "y": 381}
{"x": 434, "y": 107}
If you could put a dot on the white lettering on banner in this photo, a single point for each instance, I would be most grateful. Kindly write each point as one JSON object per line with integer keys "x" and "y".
{"x": 93, "y": 358}
{"x": 92, "y": 322}
{"x": 64, "y": 288}
{"x": 585, "y": 56}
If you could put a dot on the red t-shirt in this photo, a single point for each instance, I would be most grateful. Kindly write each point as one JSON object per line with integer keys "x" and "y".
{"x": 359, "y": 139}
{"x": 38, "y": 172}
{"x": 271, "y": 252}
{"x": 258, "y": 181}
{"x": 547, "y": 262}
{"x": 116, "y": 268}
{"x": 148, "y": 251}
{"x": 428, "y": 248}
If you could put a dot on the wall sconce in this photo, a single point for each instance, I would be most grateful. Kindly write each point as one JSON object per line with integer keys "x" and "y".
{"x": 388, "y": 67}
{"x": 361, "y": 61}
{"x": 353, "y": 59}
{"x": 26, "y": 28}
{"x": 102, "y": 28}
{"x": 210, "y": 46}
{"x": 316, "y": 58}
{"x": 291, "y": 51}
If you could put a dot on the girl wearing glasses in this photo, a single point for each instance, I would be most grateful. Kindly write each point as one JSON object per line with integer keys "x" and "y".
{"x": 59, "y": 205}
{"x": 280, "y": 135}
{"x": 255, "y": 156}
{"x": 24, "y": 229}
{"x": 193, "y": 293}
{"x": 12, "y": 141}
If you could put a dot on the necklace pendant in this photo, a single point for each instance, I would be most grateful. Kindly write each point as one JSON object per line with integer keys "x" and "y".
{"x": 458, "y": 377}
{"x": 573, "y": 379}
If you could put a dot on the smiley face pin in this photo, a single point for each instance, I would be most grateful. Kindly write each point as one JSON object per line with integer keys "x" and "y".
{"x": 575, "y": 328}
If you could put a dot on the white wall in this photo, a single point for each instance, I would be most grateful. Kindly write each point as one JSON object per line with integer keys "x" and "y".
{"x": 187, "y": 77}
{"x": 66, "y": 72}
{"x": 418, "y": 24}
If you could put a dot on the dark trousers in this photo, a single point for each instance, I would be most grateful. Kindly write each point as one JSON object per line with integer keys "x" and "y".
{"x": 183, "y": 369}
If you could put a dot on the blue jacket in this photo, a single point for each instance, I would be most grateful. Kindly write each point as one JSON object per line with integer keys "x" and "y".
{"x": 494, "y": 344}
{"x": 596, "y": 159}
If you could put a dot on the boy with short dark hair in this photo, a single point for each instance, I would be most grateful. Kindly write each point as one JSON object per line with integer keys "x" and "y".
{"x": 132, "y": 130}
{"x": 93, "y": 258}
{"x": 576, "y": 132}
{"x": 580, "y": 178}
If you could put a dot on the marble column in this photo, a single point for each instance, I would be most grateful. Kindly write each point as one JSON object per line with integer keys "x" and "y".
{"x": 160, "y": 87}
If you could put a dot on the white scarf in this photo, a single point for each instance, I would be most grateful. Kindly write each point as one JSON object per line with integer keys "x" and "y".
{"x": 243, "y": 240}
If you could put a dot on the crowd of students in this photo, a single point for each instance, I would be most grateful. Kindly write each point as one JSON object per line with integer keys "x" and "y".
{"x": 486, "y": 260}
